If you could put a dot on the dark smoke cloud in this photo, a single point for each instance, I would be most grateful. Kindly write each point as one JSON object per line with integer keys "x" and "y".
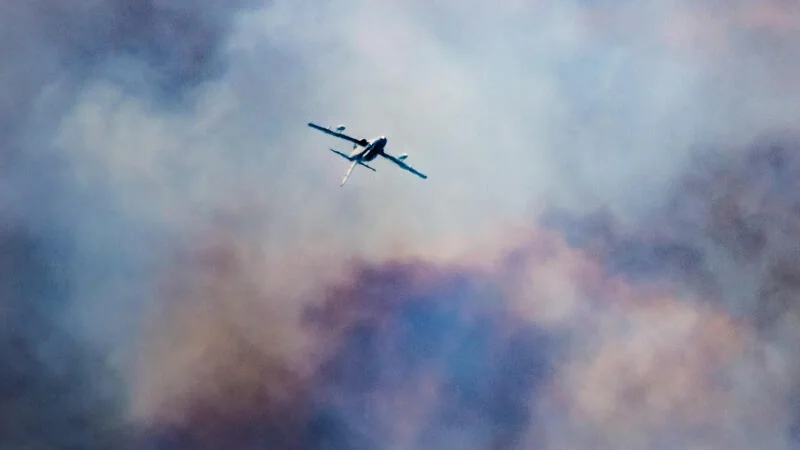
{"x": 433, "y": 348}
{"x": 54, "y": 392}
{"x": 628, "y": 336}
{"x": 598, "y": 335}
{"x": 51, "y": 47}
{"x": 172, "y": 45}
{"x": 728, "y": 229}
{"x": 159, "y": 51}
{"x": 216, "y": 370}
{"x": 408, "y": 353}
{"x": 730, "y": 233}
{"x": 57, "y": 390}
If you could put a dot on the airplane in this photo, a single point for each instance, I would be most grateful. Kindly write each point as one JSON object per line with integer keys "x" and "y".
{"x": 371, "y": 149}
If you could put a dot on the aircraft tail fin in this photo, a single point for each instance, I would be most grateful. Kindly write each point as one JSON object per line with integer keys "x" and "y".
{"x": 349, "y": 171}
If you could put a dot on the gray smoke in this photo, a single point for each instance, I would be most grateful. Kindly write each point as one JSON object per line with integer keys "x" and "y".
{"x": 57, "y": 390}
{"x": 133, "y": 131}
{"x": 728, "y": 234}
{"x": 54, "y": 391}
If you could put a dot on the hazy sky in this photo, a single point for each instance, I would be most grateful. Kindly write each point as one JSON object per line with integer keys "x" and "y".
{"x": 508, "y": 107}
{"x": 137, "y": 135}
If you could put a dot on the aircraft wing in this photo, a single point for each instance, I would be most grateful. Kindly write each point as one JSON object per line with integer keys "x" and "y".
{"x": 404, "y": 166}
{"x": 362, "y": 142}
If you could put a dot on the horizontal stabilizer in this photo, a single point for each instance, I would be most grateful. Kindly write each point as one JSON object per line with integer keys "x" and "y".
{"x": 341, "y": 154}
{"x": 367, "y": 166}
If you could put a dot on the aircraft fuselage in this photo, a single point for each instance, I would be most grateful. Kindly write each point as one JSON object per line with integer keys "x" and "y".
{"x": 373, "y": 149}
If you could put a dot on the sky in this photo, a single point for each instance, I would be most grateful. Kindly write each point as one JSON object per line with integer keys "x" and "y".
{"x": 603, "y": 255}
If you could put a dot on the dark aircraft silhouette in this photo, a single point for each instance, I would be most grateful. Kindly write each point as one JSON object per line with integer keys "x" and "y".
{"x": 364, "y": 151}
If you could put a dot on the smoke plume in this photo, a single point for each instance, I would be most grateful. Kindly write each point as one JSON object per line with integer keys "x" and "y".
{"x": 603, "y": 256}
{"x": 57, "y": 389}
{"x": 54, "y": 392}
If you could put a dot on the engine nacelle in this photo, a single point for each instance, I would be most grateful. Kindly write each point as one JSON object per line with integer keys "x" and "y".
{"x": 402, "y": 156}
{"x": 340, "y": 128}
